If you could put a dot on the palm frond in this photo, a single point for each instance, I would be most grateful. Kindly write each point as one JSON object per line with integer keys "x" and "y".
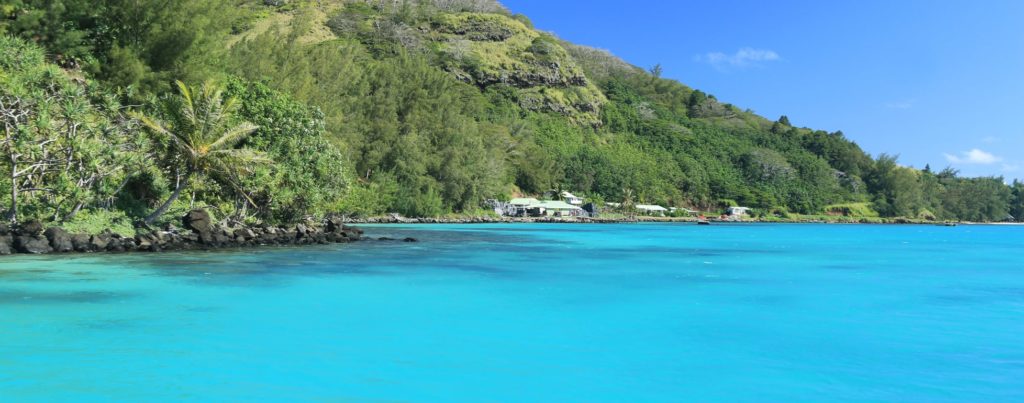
{"x": 185, "y": 91}
{"x": 231, "y": 163}
{"x": 215, "y": 115}
{"x": 237, "y": 157}
{"x": 188, "y": 110}
{"x": 162, "y": 131}
{"x": 232, "y": 137}
{"x": 230, "y": 104}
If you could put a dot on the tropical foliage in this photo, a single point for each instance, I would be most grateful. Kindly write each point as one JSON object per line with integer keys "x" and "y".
{"x": 197, "y": 136}
{"x": 368, "y": 107}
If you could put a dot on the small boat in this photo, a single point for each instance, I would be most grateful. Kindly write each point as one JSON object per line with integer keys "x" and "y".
{"x": 703, "y": 222}
{"x": 948, "y": 224}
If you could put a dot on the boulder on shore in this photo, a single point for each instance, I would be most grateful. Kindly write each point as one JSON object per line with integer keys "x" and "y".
{"x": 99, "y": 242}
{"x": 80, "y": 242}
{"x": 32, "y": 244}
{"x": 335, "y": 224}
{"x": 31, "y": 228}
{"x": 198, "y": 221}
{"x": 199, "y": 232}
{"x": 59, "y": 239}
{"x": 5, "y": 245}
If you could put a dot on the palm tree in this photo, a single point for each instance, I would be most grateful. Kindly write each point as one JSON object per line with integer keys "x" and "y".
{"x": 202, "y": 137}
{"x": 628, "y": 204}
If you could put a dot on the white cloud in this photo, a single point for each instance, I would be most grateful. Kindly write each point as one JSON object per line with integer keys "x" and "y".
{"x": 742, "y": 58}
{"x": 990, "y": 140}
{"x": 975, "y": 156}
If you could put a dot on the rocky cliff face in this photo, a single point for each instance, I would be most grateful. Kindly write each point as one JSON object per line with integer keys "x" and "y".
{"x": 481, "y": 44}
{"x": 494, "y": 49}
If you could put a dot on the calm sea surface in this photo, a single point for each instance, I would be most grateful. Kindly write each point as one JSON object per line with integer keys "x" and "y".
{"x": 642, "y": 312}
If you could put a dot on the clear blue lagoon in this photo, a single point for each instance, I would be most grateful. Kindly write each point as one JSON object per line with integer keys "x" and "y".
{"x": 643, "y": 312}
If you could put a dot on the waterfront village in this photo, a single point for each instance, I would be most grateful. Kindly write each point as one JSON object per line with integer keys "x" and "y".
{"x": 566, "y": 204}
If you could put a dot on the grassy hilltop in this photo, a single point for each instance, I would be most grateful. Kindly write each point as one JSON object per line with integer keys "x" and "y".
{"x": 425, "y": 108}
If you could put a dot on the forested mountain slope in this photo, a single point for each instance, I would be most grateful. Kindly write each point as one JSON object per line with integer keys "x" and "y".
{"x": 418, "y": 107}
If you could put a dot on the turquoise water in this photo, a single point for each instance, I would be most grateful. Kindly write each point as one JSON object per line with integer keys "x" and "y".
{"x": 645, "y": 312}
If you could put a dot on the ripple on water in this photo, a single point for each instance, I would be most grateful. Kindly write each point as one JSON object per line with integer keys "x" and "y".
{"x": 531, "y": 313}
{"x": 56, "y": 297}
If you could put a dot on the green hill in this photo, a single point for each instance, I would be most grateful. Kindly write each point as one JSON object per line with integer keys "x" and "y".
{"x": 430, "y": 107}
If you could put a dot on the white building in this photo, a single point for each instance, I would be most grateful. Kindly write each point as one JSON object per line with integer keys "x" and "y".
{"x": 532, "y": 206}
{"x": 737, "y": 211}
{"x": 572, "y": 199}
{"x": 673, "y": 210}
{"x": 651, "y": 209}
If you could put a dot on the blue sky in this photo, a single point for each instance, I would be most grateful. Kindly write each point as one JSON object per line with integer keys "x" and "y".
{"x": 939, "y": 82}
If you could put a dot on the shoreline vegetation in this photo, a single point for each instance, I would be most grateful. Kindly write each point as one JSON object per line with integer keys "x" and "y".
{"x": 128, "y": 115}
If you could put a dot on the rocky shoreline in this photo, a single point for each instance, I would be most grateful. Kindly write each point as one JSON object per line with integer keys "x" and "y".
{"x": 499, "y": 220}
{"x": 586, "y": 220}
{"x": 199, "y": 232}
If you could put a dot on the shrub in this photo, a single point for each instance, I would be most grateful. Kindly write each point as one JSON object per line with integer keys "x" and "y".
{"x": 851, "y": 210}
{"x": 95, "y": 221}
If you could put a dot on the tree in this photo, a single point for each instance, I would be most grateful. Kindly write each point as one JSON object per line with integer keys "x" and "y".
{"x": 127, "y": 42}
{"x": 55, "y": 24}
{"x": 61, "y": 149}
{"x": 977, "y": 199}
{"x": 292, "y": 135}
{"x": 200, "y": 134}
{"x": 657, "y": 71}
{"x": 628, "y": 204}
{"x": 1017, "y": 205}
{"x": 897, "y": 189}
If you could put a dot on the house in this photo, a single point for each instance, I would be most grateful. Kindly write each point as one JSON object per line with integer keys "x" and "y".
{"x": 572, "y": 199}
{"x": 687, "y": 211}
{"x": 520, "y": 207}
{"x": 523, "y": 202}
{"x": 651, "y": 209}
{"x": 500, "y": 208}
{"x": 535, "y": 208}
{"x": 561, "y": 209}
{"x": 737, "y": 211}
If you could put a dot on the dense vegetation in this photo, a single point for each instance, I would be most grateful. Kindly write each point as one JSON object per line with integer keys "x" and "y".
{"x": 364, "y": 107}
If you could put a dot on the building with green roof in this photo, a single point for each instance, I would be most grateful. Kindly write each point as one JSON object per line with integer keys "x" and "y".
{"x": 546, "y": 207}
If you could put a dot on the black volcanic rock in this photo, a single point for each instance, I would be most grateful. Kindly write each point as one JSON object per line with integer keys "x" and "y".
{"x": 6, "y": 245}
{"x": 59, "y": 239}
{"x": 31, "y": 228}
{"x": 32, "y": 244}
{"x": 80, "y": 242}
{"x": 198, "y": 221}
{"x": 99, "y": 242}
{"x": 200, "y": 232}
